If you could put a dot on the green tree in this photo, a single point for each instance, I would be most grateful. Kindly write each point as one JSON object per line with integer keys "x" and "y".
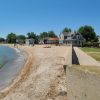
{"x": 52, "y": 34}
{"x": 88, "y": 33}
{"x": 32, "y": 35}
{"x": 66, "y": 29}
{"x": 21, "y": 38}
{"x": 43, "y": 35}
{"x": 11, "y": 38}
{"x": 2, "y": 39}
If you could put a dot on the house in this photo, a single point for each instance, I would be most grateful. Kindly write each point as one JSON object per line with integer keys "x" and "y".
{"x": 53, "y": 40}
{"x": 74, "y": 38}
{"x": 29, "y": 41}
{"x": 99, "y": 39}
{"x": 49, "y": 40}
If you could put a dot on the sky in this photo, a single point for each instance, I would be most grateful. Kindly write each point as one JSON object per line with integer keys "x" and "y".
{"x": 23, "y": 16}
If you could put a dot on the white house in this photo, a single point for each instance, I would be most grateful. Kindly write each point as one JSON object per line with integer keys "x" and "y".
{"x": 29, "y": 41}
{"x": 73, "y": 38}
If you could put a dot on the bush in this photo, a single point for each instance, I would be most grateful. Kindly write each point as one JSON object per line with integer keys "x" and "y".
{"x": 95, "y": 44}
{"x": 91, "y": 44}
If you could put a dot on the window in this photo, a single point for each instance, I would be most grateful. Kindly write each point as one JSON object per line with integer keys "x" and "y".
{"x": 65, "y": 37}
{"x": 78, "y": 37}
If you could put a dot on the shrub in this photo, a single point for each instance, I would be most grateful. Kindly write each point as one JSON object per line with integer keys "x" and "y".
{"x": 91, "y": 44}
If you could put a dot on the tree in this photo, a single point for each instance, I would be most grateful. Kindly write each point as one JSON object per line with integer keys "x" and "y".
{"x": 2, "y": 39}
{"x": 11, "y": 38}
{"x": 32, "y": 35}
{"x": 47, "y": 34}
{"x": 43, "y": 35}
{"x": 52, "y": 34}
{"x": 66, "y": 29}
{"x": 21, "y": 38}
{"x": 88, "y": 33}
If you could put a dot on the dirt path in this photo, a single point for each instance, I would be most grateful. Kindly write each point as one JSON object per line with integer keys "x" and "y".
{"x": 47, "y": 79}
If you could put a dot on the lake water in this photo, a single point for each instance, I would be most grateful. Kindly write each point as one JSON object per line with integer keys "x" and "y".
{"x": 6, "y": 54}
{"x": 11, "y": 63}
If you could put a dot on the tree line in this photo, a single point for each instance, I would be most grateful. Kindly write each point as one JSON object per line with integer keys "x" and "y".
{"x": 12, "y": 37}
{"x": 87, "y": 32}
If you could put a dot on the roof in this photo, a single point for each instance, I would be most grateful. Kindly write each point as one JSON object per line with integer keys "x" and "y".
{"x": 53, "y": 38}
{"x": 73, "y": 35}
{"x": 67, "y": 33}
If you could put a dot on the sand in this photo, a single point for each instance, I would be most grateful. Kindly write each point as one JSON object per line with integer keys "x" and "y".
{"x": 42, "y": 77}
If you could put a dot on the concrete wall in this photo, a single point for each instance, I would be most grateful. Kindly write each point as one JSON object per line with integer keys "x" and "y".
{"x": 82, "y": 85}
{"x": 85, "y": 59}
{"x": 69, "y": 56}
{"x": 72, "y": 57}
{"x": 75, "y": 59}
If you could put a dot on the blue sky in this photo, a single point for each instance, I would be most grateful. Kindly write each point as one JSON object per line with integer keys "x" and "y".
{"x": 22, "y": 16}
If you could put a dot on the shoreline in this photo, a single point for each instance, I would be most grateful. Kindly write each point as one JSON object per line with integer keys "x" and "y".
{"x": 6, "y": 54}
{"x": 21, "y": 76}
{"x": 12, "y": 67}
{"x": 40, "y": 76}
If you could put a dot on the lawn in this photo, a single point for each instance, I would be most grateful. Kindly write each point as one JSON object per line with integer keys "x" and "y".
{"x": 95, "y": 56}
{"x": 93, "y": 52}
{"x": 91, "y": 49}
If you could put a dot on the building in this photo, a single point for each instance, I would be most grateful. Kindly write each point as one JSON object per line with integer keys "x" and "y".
{"x": 99, "y": 39}
{"x": 49, "y": 40}
{"x": 53, "y": 40}
{"x": 74, "y": 38}
{"x": 29, "y": 41}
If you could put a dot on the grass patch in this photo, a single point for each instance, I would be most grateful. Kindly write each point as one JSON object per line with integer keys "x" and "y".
{"x": 95, "y": 56}
{"x": 93, "y": 52}
{"x": 86, "y": 49}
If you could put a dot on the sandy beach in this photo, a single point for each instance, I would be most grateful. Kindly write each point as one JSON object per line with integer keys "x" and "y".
{"x": 42, "y": 77}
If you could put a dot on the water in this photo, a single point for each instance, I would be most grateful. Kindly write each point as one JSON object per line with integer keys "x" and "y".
{"x": 6, "y": 54}
{"x": 11, "y": 63}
